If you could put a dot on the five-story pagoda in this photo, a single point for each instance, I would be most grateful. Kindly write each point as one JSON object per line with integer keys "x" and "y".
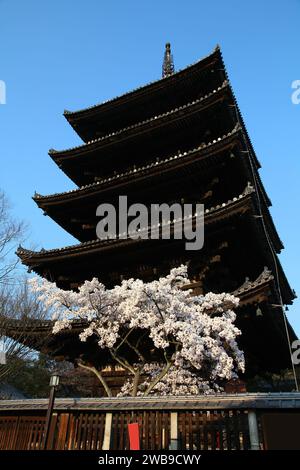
{"x": 178, "y": 139}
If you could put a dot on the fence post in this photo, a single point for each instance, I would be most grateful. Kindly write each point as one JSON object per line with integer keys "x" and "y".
{"x": 49, "y": 416}
{"x": 107, "y": 431}
{"x": 253, "y": 430}
{"x": 174, "y": 432}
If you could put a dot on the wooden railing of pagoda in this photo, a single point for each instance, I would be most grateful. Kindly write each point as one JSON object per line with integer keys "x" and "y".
{"x": 226, "y": 422}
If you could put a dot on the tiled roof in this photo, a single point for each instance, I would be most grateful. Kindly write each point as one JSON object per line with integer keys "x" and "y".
{"x": 265, "y": 277}
{"x": 146, "y": 87}
{"x": 24, "y": 254}
{"x": 240, "y": 118}
{"x": 55, "y": 153}
{"x": 290, "y": 400}
{"x": 137, "y": 170}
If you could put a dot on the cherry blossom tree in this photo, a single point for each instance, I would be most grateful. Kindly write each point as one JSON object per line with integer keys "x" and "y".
{"x": 170, "y": 341}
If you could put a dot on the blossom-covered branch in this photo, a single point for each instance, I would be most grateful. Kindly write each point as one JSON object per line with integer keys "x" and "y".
{"x": 169, "y": 341}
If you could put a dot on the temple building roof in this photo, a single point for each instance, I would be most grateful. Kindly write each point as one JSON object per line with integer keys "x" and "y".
{"x": 109, "y": 250}
{"x": 183, "y": 128}
{"x": 156, "y": 120}
{"x": 108, "y": 150}
{"x": 157, "y": 96}
{"x": 165, "y": 170}
{"x": 223, "y": 210}
{"x": 133, "y": 172}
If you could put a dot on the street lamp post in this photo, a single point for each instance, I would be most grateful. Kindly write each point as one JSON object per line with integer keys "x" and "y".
{"x": 54, "y": 381}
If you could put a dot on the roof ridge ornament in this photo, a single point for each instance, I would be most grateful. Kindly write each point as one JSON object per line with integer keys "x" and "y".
{"x": 249, "y": 189}
{"x": 168, "y": 63}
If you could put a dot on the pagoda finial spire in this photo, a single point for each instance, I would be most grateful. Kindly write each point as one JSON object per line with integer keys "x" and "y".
{"x": 168, "y": 64}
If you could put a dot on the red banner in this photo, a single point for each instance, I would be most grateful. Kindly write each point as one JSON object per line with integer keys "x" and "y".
{"x": 134, "y": 436}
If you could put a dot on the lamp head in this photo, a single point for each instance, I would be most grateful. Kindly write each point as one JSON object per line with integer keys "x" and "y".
{"x": 54, "y": 380}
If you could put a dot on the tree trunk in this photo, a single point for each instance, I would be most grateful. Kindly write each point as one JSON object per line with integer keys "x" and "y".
{"x": 158, "y": 378}
{"x": 136, "y": 382}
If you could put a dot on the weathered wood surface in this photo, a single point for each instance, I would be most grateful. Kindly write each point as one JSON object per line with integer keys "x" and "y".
{"x": 197, "y": 430}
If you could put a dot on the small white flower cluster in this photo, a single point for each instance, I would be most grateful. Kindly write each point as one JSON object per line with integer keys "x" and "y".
{"x": 196, "y": 333}
{"x": 178, "y": 381}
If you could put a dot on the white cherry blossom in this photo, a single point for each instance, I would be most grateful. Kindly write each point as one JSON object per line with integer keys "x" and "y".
{"x": 170, "y": 341}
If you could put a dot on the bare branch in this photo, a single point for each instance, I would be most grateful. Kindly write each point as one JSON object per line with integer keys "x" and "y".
{"x": 160, "y": 376}
{"x": 98, "y": 375}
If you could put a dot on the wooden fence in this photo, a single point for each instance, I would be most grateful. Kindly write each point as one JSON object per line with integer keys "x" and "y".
{"x": 197, "y": 430}
{"x": 198, "y": 424}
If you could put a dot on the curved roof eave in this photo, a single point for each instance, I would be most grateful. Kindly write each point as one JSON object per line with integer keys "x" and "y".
{"x": 73, "y": 115}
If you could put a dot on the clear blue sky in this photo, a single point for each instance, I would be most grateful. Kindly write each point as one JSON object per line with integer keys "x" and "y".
{"x": 71, "y": 54}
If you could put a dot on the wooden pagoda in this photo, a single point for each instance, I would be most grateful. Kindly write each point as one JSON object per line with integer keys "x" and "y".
{"x": 180, "y": 138}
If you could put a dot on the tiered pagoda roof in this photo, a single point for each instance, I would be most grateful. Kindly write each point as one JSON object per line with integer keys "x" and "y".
{"x": 179, "y": 139}
{"x": 135, "y": 179}
{"x": 150, "y": 100}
